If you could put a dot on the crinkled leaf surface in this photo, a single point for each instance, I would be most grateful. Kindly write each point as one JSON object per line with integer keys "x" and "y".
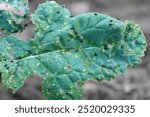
{"x": 68, "y": 51}
{"x": 13, "y": 15}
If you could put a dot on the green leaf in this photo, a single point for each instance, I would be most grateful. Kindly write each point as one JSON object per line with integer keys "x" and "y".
{"x": 13, "y": 15}
{"x": 68, "y": 51}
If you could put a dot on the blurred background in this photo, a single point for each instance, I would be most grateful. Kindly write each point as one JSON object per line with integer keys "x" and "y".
{"x": 134, "y": 84}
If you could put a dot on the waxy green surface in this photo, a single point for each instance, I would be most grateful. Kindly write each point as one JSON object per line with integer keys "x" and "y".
{"x": 67, "y": 51}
